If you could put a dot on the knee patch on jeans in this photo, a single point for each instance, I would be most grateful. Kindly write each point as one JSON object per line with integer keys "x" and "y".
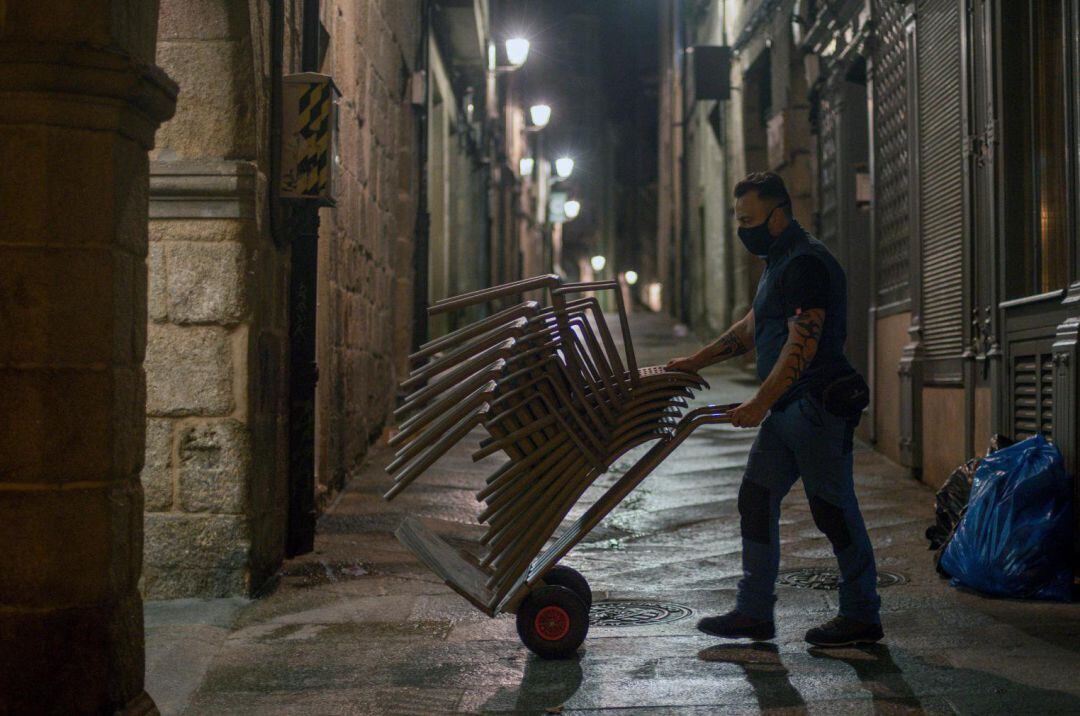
{"x": 830, "y": 519}
{"x": 754, "y": 511}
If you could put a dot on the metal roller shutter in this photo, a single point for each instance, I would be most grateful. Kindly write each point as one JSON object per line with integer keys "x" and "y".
{"x": 1032, "y": 388}
{"x": 940, "y": 176}
{"x": 890, "y": 153}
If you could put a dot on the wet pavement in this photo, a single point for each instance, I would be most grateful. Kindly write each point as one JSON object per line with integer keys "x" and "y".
{"x": 360, "y": 627}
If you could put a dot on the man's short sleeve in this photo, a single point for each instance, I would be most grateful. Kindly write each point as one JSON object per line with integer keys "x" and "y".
{"x": 804, "y": 285}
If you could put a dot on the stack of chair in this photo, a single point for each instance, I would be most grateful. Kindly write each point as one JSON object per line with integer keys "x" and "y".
{"x": 549, "y": 387}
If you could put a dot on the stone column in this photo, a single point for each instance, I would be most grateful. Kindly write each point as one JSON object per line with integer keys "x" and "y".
{"x": 80, "y": 100}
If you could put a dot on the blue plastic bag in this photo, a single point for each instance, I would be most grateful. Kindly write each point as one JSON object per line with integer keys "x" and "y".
{"x": 1015, "y": 538}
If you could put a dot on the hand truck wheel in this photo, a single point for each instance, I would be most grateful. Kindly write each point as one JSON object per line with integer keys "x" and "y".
{"x": 563, "y": 576}
{"x": 552, "y": 621}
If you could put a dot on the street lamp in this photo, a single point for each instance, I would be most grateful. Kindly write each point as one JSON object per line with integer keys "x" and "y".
{"x": 525, "y": 166}
{"x": 540, "y": 114}
{"x": 598, "y": 262}
{"x": 631, "y": 277}
{"x": 517, "y": 51}
{"x": 572, "y": 208}
{"x": 564, "y": 167}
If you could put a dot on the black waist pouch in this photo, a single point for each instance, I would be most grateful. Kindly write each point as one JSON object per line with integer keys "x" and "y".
{"x": 845, "y": 395}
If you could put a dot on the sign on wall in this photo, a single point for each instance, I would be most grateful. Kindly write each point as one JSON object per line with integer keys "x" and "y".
{"x": 309, "y": 137}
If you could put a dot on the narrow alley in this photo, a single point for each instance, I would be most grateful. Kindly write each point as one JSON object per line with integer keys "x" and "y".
{"x": 360, "y": 626}
{"x": 273, "y": 271}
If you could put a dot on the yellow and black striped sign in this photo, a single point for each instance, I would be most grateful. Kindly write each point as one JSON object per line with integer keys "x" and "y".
{"x": 313, "y": 167}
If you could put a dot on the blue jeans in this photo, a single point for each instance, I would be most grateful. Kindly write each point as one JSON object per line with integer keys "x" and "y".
{"x": 804, "y": 439}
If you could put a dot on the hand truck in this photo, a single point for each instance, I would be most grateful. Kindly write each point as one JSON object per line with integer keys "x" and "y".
{"x": 549, "y": 387}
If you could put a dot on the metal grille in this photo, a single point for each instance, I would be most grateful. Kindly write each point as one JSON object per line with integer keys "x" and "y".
{"x": 629, "y": 612}
{"x": 1033, "y": 391}
{"x": 828, "y": 579}
{"x": 941, "y": 178}
{"x": 891, "y": 153}
{"x": 828, "y": 214}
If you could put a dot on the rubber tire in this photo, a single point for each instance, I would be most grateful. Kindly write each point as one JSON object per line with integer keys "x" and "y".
{"x": 563, "y": 576}
{"x": 551, "y": 595}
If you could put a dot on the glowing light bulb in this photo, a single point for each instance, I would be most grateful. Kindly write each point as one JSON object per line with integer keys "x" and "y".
{"x": 598, "y": 263}
{"x": 631, "y": 277}
{"x": 540, "y": 114}
{"x": 517, "y": 51}
{"x": 572, "y": 208}
{"x": 525, "y": 167}
{"x": 564, "y": 167}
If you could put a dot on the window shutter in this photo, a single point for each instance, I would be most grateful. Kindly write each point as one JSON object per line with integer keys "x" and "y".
{"x": 891, "y": 153}
{"x": 1032, "y": 389}
{"x": 941, "y": 177}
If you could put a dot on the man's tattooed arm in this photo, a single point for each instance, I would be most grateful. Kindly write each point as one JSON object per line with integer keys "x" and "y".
{"x": 804, "y": 333}
{"x": 734, "y": 342}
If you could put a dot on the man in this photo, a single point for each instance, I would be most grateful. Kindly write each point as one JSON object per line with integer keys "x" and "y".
{"x": 797, "y": 325}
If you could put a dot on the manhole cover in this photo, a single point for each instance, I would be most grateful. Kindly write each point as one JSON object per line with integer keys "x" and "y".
{"x": 829, "y": 578}
{"x": 629, "y": 612}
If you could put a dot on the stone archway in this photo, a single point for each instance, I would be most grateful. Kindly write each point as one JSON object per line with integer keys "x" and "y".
{"x": 81, "y": 101}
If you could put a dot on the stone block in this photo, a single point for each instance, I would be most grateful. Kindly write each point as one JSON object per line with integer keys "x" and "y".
{"x": 188, "y": 371}
{"x": 202, "y": 19}
{"x": 205, "y": 282}
{"x": 214, "y": 461}
{"x": 202, "y": 230}
{"x": 195, "y": 555}
{"x": 215, "y": 112}
{"x": 157, "y": 472}
{"x": 64, "y": 425}
{"x": 81, "y": 330}
{"x": 65, "y": 548}
{"x": 158, "y": 309}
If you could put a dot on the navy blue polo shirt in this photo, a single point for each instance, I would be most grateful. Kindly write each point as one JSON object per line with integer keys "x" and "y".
{"x": 800, "y": 274}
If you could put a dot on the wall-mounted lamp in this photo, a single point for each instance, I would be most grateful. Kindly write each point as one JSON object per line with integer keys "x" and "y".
{"x": 564, "y": 167}
{"x": 525, "y": 167}
{"x": 572, "y": 208}
{"x": 517, "y": 51}
{"x": 540, "y": 115}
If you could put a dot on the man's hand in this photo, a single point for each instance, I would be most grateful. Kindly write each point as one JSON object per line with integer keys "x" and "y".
{"x": 749, "y": 414}
{"x": 687, "y": 363}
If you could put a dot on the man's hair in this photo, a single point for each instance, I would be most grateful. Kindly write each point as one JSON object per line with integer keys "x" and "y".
{"x": 767, "y": 185}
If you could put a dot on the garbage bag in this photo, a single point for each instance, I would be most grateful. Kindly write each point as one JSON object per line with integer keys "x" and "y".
{"x": 1015, "y": 538}
{"x": 951, "y": 500}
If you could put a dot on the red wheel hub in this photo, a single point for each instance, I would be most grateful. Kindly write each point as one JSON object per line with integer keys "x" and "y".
{"x": 552, "y": 623}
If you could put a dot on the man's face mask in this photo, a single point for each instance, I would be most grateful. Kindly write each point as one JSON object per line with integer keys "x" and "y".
{"x": 757, "y": 239}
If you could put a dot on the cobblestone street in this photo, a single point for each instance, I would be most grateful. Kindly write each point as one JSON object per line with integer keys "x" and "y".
{"x": 359, "y": 626}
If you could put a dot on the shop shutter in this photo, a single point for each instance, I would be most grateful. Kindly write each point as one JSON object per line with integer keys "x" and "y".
{"x": 828, "y": 212}
{"x": 940, "y": 176}
{"x": 890, "y": 139}
{"x": 1032, "y": 391}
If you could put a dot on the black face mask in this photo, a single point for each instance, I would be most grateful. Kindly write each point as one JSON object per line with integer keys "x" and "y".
{"x": 757, "y": 239}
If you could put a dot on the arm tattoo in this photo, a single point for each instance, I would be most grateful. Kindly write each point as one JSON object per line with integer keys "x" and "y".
{"x": 804, "y": 334}
{"x": 802, "y": 344}
{"x": 726, "y": 346}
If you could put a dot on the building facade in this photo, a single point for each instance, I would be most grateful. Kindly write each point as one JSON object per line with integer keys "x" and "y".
{"x": 932, "y": 145}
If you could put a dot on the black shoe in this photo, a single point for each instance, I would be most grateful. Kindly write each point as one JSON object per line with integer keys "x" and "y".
{"x": 842, "y": 631}
{"x": 736, "y": 625}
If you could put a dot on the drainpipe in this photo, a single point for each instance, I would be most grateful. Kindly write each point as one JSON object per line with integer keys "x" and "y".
{"x": 303, "y": 230}
{"x": 422, "y": 230}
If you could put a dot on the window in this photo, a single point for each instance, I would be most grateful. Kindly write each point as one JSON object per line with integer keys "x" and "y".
{"x": 1038, "y": 232}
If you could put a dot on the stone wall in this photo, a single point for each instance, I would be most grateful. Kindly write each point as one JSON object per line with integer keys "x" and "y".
{"x": 215, "y": 471}
{"x": 365, "y": 243}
